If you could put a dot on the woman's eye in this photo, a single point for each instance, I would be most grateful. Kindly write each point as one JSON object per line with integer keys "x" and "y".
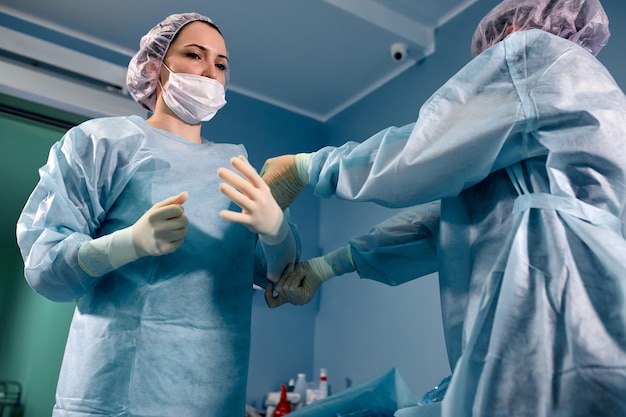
{"x": 221, "y": 67}
{"x": 193, "y": 55}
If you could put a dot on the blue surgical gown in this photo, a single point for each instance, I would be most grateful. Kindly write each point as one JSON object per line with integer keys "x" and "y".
{"x": 401, "y": 248}
{"x": 161, "y": 336}
{"x": 524, "y": 147}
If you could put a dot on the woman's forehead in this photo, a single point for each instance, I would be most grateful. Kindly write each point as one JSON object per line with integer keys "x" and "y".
{"x": 201, "y": 33}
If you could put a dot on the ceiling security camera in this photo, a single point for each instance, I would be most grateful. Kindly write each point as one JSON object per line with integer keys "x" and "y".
{"x": 398, "y": 51}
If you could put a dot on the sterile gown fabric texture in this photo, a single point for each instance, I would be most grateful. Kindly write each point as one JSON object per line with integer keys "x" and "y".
{"x": 524, "y": 147}
{"x": 161, "y": 336}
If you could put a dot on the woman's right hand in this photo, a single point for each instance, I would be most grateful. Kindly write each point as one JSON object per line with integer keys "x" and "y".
{"x": 161, "y": 230}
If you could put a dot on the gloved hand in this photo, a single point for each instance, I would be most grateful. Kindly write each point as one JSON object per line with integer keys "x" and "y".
{"x": 286, "y": 176}
{"x": 162, "y": 228}
{"x": 259, "y": 211}
{"x": 299, "y": 282}
{"x": 159, "y": 231}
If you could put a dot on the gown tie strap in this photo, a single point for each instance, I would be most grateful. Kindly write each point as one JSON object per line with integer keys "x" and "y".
{"x": 565, "y": 205}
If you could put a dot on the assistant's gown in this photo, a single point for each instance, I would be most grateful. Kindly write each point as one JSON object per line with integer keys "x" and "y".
{"x": 525, "y": 148}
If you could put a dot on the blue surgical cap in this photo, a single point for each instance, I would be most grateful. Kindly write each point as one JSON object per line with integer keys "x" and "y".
{"x": 143, "y": 70}
{"x": 580, "y": 21}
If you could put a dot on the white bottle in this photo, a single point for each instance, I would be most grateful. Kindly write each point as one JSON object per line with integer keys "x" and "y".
{"x": 300, "y": 388}
{"x": 323, "y": 389}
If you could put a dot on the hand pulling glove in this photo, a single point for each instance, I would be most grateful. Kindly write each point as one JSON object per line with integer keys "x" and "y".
{"x": 159, "y": 231}
{"x": 299, "y": 282}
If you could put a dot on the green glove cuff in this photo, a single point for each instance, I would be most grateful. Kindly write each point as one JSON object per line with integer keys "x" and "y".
{"x": 333, "y": 264}
{"x": 321, "y": 269}
{"x": 340, "y": 260}
{"x": 302, "y": 167}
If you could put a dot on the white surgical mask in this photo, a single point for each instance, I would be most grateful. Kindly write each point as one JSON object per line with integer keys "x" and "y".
{"x": 193, "y": 98}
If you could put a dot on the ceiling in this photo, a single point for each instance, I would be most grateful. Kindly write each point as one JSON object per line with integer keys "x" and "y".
{"x": 312, "y": 57}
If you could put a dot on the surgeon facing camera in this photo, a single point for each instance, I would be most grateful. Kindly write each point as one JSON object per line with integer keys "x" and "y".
{"x": 128, "y": 219}
{"x": 515, "y": 173}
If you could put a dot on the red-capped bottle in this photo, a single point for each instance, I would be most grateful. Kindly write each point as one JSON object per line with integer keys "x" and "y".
{"x": 284, "y": 406}
{"x": 323, "y": 387}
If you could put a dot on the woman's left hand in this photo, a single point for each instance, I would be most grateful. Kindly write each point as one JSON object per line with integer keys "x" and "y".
{"x": 259, "y": 211}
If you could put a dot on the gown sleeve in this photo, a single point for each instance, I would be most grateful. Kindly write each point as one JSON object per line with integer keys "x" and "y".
{"x": 473, "y": 125}
{"x": 271, "y": 258}
{"x": 401, "y": 248}
{"x": 62, "y": 212}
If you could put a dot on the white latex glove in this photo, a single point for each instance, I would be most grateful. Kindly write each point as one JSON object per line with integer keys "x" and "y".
{"x": 159, "y": 231}
{"x": 299, "y": 282}
{"x": 286, "y": 176}
{"x": 259, "y": 211}
{"x": 162, "y": 228}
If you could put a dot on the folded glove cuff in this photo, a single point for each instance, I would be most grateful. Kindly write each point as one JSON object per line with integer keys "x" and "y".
{"x": 276, "y": 236}
{"x": 107, "y": 253}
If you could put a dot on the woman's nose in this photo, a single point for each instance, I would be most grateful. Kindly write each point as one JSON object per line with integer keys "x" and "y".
{"x": 210, "y": 72}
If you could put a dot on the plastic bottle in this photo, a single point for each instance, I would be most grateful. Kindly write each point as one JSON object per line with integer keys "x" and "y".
{"x": 300, "y": 388}
{"x": 323, "y": 388}
{"x": 284, "y": 406}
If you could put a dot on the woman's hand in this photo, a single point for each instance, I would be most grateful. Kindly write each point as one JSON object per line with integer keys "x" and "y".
{"x": 259, "y": 211}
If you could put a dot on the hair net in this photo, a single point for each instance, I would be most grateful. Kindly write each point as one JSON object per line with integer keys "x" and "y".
{"x": 144, "y": 68}
{"x": 580, "y": 21}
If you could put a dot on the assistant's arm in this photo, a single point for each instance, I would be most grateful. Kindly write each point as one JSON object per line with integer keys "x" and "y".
{"x": 473, "y": 125}
{"x": 400, "y": 249}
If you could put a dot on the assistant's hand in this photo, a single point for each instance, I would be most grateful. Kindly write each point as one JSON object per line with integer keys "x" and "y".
{"x": 162, "y": 228}
{"x": 281, "y": 175}
{"x": 297, "y": 286}
{"x": 298, "y": 283}
{"x": 259, "y": 211}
